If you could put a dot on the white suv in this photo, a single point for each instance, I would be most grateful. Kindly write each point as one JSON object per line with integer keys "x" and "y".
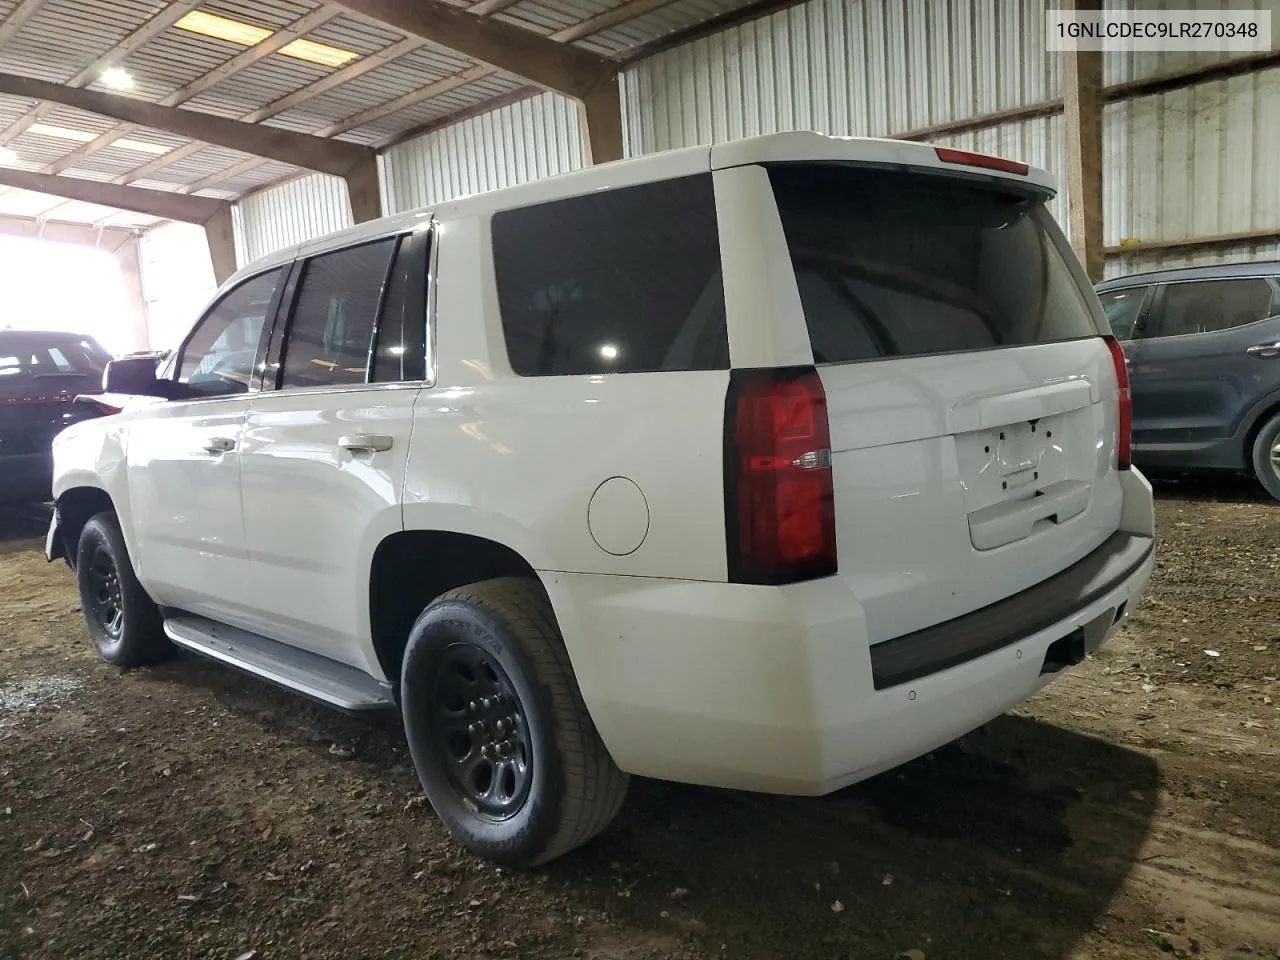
{"x": 769, "y": 465}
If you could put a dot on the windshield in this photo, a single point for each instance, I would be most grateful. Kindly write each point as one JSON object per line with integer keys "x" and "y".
{"x": 892, "y": 263}
{"x": 44, "y": 362}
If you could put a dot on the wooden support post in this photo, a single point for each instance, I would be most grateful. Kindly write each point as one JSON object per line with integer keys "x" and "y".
{"x": 1082, "y": 102}
{"x": 601, "y": 113}
{"x": 364, "y": 192}
{"x": 219, "y": 233}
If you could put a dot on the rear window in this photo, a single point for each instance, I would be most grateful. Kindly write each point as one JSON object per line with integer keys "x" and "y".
{"x": 620, "y": 281}
{"x": 27, "y": 360}
{"x": 903, "y": 264}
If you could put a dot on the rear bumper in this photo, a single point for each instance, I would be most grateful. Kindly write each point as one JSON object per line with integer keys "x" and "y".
{"x": 775, "y": 689}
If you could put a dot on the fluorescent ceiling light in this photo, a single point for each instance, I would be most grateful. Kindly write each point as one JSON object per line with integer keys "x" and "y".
{"x": 117, "y": 79}
{"x": 62, "y": 133}
{"x": 7, "y": 157}
{"x": 247, "y": 35}
{"x": 142, "y": 146}
{"x": 84, "y": 136}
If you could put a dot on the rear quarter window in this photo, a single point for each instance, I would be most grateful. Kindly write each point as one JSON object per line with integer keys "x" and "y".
{"x": 893, "y": 263}
{"x": 620, "y": 281}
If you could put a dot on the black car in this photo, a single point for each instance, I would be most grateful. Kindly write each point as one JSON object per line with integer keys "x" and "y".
{"x": 41, "y": 374}
{"x": 1203, "y": 345}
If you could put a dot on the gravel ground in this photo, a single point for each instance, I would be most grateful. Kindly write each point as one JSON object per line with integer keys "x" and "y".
{"x": 1128, "y": 811}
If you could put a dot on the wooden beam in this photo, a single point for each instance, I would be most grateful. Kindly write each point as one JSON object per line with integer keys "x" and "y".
{"x": 1082, "y": 102}
{"x": 219, "y": 233}
{"x": 18, "y": 18}
{"x": 364, "y": 193}
{"x": 300, "y": 149}
{"x": 241, "y": 61}
{"x": 602, "y": 123}
{"x": 568, "y": 70}
{"x": 156, "y": 25}
{"x": 1136, "y": 248}
{"x": 153, "y": 203}
{"x": 357, "y": 69}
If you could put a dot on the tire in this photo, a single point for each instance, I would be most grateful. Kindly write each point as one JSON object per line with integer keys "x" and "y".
{"x": 511, "y": 762}
{"x": 124, "y": 624}
{"x": 1266, "y": 456}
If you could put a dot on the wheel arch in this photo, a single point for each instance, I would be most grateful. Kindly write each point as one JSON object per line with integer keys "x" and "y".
{"x": 76, "y": 505}
{"x": 1251, "y": 425}
{"x": 411, "y": 568}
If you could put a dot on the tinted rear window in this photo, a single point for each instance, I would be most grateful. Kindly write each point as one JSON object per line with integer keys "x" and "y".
{"x": 621, "y": 281}
{"x": 903, "y": 264}
{"x": 27, "y": 360}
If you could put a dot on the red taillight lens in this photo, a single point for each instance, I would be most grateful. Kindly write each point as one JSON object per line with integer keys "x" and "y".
{"x": 1124, "y": 442}
{"x": 779, "y": 496}
{"x": 968, "y": 159}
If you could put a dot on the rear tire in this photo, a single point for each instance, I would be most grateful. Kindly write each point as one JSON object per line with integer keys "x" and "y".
{"x": 1266, "y": 456}
{"x": 124, "y": 624}
{"x": 499, "y": 734}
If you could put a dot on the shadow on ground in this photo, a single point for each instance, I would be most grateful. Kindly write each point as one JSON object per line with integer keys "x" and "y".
{"x": 21, "y": 523}
{"x": 1209, "y": 486}
{"x": 1008, "y": 844}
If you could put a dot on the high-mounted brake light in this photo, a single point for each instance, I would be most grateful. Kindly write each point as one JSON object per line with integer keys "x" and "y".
{"x": 779, "y": 495}
{"x": 968, "y": 159}
{"x": 1124, "y": 442}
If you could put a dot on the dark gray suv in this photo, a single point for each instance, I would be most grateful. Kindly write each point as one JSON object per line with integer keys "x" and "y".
{"x": 1203, "y": 345}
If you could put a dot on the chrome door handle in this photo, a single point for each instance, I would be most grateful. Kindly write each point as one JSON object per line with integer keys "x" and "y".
{"x": 1264, "y": 350}
{"x": 365, "y": 443}
{"x": 220, "y": 445}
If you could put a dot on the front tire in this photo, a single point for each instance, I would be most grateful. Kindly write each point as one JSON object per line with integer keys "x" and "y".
{"x": 1266, "y": 456}
{"x": 499, "y": 734}
{"x": 124, "y": 624}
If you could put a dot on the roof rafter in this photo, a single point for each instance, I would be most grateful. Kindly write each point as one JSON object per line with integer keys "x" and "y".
{"x": 568, "y": 70}
{"x": 154, "y": 203}
{"x": 18, "y": 18}
{"x": 156, "y": 25}
{"x": 300, "y": 149}
{"x": 241, "y": 61}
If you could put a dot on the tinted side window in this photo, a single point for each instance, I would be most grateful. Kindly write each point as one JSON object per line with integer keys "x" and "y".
{"x": 218, "y": 357}
{"x": 622, "y": 281}
{"x": 1122, "y": 308}
{"x": 1205, "y": 306}
{"x": 332, "y": 326}
{"x": 398, "y": 353}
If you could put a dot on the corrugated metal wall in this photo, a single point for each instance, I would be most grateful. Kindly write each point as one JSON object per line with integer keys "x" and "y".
{"x": 533, "y": 138}
{"x": 308, "y": 207}
{"x": 1183, "y": 164}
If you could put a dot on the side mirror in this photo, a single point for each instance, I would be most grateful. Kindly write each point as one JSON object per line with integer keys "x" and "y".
{"x": 135, "y": 376}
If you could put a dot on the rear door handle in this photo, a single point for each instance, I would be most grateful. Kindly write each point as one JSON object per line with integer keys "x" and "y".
{"x": 220, "y": 445}
{"x": 1264, "y": 350}
{"x": 365, "y": 442}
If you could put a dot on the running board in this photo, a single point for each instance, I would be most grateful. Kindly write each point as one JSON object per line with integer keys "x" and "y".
{"x": 309, "y": 674}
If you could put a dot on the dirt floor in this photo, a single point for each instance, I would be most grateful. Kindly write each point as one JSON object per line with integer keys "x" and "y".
{"x": 1131, "y": 810}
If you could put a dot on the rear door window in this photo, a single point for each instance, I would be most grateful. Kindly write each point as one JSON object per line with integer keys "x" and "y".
{"x": 1123, "y": 308}
{"x": 619, "y": 281}
{"x": 904, "y": 264}
{"x": 331, "y": 332}
{"x": 1207, "y": 306}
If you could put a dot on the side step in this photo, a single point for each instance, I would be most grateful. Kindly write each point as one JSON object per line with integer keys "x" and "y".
{"x": 309, "y": 674}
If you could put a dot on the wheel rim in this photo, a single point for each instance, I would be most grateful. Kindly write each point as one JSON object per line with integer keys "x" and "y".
{"x": 1275, "y": 458}
{"x": 483, "y": 735}
{"x": 106, "y": 601}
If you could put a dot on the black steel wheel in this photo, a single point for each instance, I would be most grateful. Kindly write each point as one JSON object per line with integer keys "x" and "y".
{"x": 122, "y": 621}
{"x": 106, "y": 604}
{"x": 482, "y": 729}
{"x": 502, "y": 742}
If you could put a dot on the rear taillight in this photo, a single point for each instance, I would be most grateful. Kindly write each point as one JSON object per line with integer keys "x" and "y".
{"x": 969, "y": 159}
{"x": 1124, "y": 441}
{"x": 103, "y": 409}
{"x": 779, "y": 497}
